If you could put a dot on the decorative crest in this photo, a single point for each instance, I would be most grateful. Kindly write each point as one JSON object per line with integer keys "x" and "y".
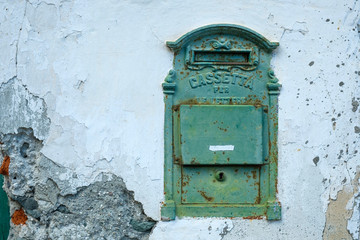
{"x": 222, "y": 43}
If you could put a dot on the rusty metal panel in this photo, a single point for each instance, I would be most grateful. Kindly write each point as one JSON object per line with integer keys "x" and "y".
{"x": 220, "y": 129}
{"x": 221, "y": 134}
{"x": 220, "y": 184}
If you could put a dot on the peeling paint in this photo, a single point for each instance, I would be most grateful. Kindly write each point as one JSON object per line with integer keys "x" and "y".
{"x": 85, "y": 77}
{"x": 338, "y": 212}
{"x": 41, "y": 202}
{"x": 20, "y": 108}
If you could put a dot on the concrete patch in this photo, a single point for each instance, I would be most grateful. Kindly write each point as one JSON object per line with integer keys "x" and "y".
{"x": 40, "y": 209}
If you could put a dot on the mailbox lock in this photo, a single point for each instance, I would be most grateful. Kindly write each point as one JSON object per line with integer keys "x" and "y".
{"x": 220, "y": 176}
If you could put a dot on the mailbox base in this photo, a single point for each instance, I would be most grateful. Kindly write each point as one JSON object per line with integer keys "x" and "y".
{"x": 248, "y": 211}
{"x": 168, "y": 211}
{"x": 274, "y": 211}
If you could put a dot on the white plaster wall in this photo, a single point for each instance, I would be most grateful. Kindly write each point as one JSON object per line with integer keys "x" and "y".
{"x": 99, "y": 66}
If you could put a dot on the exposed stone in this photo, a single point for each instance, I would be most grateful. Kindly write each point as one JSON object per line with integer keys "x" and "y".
{"x": 142, "y": 226}
{"x": 95, "y": 67}
{"x": 102, "y": 210}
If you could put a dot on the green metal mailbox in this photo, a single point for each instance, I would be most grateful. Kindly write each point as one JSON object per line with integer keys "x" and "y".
{"x": 221, "y": 126}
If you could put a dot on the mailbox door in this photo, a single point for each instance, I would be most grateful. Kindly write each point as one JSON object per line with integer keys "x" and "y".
{"x": 221, "y": 134}
{"x": 222, "y": 151}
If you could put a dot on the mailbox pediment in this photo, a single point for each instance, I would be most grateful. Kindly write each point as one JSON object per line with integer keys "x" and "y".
{"x": 219, "y": 30}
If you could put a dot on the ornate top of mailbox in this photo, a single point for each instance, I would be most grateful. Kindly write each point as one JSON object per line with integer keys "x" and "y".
{"x": 232, "y": 60}
{"x": 226, "y": 29}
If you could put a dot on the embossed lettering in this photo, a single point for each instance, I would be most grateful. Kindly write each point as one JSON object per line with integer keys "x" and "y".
{"x": 222, "y": 100}
{"x": 249, "y": 84}
{"x": 235, "y": 78}
{"x": 226, "y": 78}
{"x": 209, "y": 78}
{"x": 217, "y": 77}
{"x": 193, "y": 82}
{"x": 201, "y": 80}
{"x": 212, "y": 78}
{"x": 221, "y": 89}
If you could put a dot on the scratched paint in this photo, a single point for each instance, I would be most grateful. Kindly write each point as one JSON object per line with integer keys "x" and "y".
{"x": 221, "y": 148}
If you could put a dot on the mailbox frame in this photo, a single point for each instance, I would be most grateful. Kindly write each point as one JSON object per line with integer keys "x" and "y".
{"x": 258, "y": 50}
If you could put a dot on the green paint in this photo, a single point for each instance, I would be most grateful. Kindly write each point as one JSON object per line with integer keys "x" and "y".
{"x": 231, "y": 184}
{"x": 202, "y": 130}
{"x": 221, "y": 125}
{"x": 4, "y": 212}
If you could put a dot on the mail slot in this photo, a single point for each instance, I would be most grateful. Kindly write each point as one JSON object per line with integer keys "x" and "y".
{"x": 220, "y": 139}
{"x": 221, "y": 57}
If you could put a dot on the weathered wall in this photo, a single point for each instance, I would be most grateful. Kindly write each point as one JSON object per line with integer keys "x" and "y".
{"x": 82, "y": 116}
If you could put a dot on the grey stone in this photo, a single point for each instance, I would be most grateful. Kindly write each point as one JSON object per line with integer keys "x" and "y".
{"x": 142, "y": 226}
{"x": 102, "y": 210}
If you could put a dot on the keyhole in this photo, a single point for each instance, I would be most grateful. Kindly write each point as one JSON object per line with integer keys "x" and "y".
{"x": 220, "y": 176}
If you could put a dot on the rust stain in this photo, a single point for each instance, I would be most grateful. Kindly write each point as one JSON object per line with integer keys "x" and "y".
{"x": 185, "y": 180}
{"x": 4, "y": 169}
{"x": 254, "y": 175}
{"x": 193, "y": 161}
{"x": 258, "y": 198}
{"x": 207, "y": 198}
{"x": 19, "y": 217}
{"x": 253, "y": 217}
{"x": 223, "y": 129}
{"x": 251, "y": 101}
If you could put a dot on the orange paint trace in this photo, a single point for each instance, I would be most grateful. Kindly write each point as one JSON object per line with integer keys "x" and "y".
{"x": 19, "y": 217}
{"x": 4, "y": 169}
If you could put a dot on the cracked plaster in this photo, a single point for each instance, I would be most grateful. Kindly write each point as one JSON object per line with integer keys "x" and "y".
{"x": 100, "y": 82}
